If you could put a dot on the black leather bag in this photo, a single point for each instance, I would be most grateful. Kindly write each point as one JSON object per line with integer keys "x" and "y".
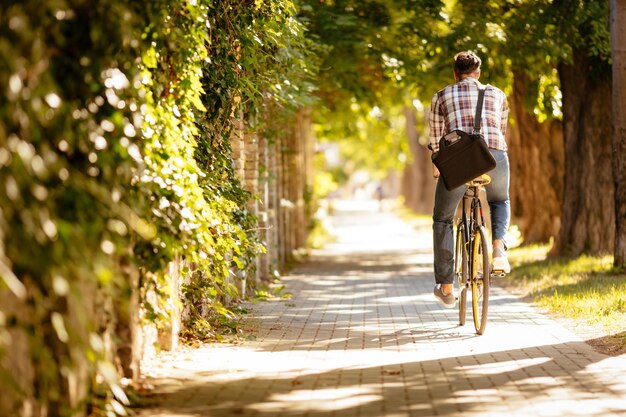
{"x": 464, "y": 156}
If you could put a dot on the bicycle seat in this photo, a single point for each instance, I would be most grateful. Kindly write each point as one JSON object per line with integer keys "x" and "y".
{"x": 477, "y": 182}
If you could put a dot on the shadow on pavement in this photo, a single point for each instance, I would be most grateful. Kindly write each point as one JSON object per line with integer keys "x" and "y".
{"x": 449, "y": 386}
{"x": 366, "y": 296}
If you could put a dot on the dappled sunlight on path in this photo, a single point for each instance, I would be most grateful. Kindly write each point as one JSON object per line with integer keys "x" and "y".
{"x": 362, "y": 336}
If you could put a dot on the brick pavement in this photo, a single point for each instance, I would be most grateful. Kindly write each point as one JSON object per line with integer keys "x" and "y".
{"x": 362, "y": 336}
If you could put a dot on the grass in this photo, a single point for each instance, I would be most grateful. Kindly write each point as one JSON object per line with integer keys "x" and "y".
{"x": 585, "y": 289}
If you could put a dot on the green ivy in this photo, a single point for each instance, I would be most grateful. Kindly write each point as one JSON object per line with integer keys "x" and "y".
{"x": 69, "y": 117}
{"x": 115, "y": 128}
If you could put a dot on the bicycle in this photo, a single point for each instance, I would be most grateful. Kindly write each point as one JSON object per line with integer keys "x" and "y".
{"x": 471, "y": 256}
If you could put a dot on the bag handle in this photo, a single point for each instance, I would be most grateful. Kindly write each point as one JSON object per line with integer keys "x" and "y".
{"x": 479, "y": 109}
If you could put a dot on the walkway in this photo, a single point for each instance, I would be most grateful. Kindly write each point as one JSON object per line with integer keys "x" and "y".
{"x": 362, "y": 336}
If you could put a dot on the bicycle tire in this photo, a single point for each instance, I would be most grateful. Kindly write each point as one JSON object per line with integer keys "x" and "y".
{"x": 480, "y": 276}
{"x": 460, "y": 269}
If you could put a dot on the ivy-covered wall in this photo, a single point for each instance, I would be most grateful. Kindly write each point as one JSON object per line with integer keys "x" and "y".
{"x": 116, "y": 125}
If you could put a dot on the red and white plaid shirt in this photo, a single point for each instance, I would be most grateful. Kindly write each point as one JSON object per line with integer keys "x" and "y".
{"x": 454, "y": 107}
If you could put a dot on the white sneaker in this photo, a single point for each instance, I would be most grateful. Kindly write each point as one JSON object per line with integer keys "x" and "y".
{"x": 500, "y": 261}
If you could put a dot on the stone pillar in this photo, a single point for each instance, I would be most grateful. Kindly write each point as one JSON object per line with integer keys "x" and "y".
{"x": 168, "y": 335}
{"x": 264, "y": 210}
{"x": 283, "y": 200}
{"x": 274, "y": 186}
{"x": 304, "y": 151}
{"x": 251, "y": 183}
{"x": 286, "y": 162}
{"x": 128, "y": 330}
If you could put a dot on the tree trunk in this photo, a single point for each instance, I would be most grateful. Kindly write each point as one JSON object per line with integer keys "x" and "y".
{"x": 536, "y": 158}
{"x": 618, "y": 46}
{"x": 412, "y": 172}
{"x": 588, "y": 215}
{"x": 418, "y": 185}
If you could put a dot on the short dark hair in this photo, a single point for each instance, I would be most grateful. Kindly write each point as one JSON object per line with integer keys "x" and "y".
{"x": 466, "y": 62}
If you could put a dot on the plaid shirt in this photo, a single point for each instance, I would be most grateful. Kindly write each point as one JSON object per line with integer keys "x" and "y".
{"x": 454, "y": 108}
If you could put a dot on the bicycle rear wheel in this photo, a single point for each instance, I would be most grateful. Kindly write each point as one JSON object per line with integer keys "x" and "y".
{"x": 460, "y": 270}
{"x": 479, "y": 279}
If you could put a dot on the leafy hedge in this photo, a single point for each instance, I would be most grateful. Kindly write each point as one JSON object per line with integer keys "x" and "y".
{"x": 115, "y": 127}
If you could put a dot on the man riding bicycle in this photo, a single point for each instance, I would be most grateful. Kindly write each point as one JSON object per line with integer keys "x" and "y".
{"x": 453, "y": 108}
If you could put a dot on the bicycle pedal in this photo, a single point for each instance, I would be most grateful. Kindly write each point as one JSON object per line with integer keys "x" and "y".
{"x": 498, "y": 274}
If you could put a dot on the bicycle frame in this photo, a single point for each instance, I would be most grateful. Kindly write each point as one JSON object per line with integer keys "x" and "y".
{"x": 474, "y": 264}
{"x": 475, "y": 219}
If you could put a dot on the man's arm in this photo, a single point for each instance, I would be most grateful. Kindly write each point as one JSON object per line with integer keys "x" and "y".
{"x": 504, "y": 116}
{"x": 437, "y": 125}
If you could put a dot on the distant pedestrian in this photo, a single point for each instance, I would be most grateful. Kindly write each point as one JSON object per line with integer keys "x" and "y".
{"x": 453, "y": 108}
{"x": 379, "y": 196}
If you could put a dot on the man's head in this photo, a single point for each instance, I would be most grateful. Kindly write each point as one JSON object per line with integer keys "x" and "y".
{"x": 466, "y": 63}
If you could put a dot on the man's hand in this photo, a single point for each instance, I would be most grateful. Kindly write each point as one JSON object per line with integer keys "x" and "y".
{"x": 435, "y": 172}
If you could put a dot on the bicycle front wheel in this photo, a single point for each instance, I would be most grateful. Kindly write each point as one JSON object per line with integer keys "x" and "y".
{"x": 479, "y": 279}
{"x": 460, "y": 269}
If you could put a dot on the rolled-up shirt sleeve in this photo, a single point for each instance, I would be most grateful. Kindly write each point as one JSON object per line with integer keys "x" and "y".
{"x": 505, "y": 117}
{"x": 436, "y": 122}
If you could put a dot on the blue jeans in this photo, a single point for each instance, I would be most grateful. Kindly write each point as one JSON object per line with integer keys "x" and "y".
{"x": 446, "y": 203}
